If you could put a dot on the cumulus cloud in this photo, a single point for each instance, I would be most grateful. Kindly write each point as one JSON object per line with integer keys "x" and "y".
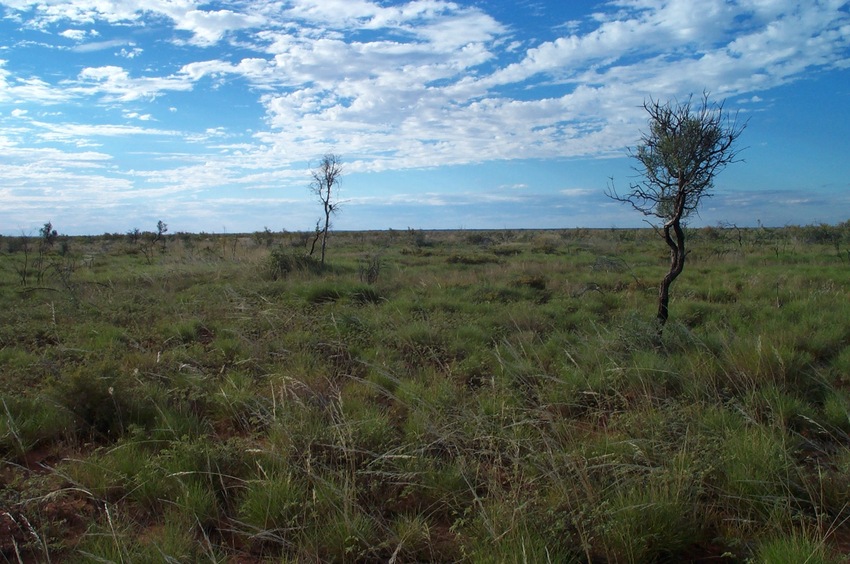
{"x": 428, "y": 84}
{"x": 445, "y": 109}
{"x": 138, "y": 116}
{"x": 131, "y": 53}
{"x": 208, "y": 27}
{"x": 75, "y": 34}
{"x": 417, "y": 83}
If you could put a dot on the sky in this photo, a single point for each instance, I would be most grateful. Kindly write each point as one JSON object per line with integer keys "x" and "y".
{"x": 471, "y": 114}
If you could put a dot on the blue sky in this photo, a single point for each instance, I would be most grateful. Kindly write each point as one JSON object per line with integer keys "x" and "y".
{"x": 115, "y": 114}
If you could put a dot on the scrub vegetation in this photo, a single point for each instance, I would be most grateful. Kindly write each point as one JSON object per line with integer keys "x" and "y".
{"x": 425, "y": 396}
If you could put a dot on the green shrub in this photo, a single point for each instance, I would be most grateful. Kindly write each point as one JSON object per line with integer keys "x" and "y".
{"x": 180, "y": 420}
{"x": 275, "y": 502}
{"x": 795, "y": 548}
{"x": 325, "y": 292}
{"x": 198, "y": 500}
{"x": 16, "y": 359}
{"x": 345, "y": 536}
{"x": 534, "y": 281}
{"x": 411, "y": 537}
{"x": 238, "y": 402}
{"x": 27, "y": 422}
{"x": 111, "y": 474}
{"x": 831, "y": 484}
{"x": 109, "y": 541}
{"x": 301, "y": 432}
{"x": 503, "y": 294}
{"x": 646, "y": 523}
{"x": 103, "y": 400}
{"x": 366, "y": 425}
{"x": 283, "y": 262}
{"x": 758, "y": 478}
{"x": 365, "y": 295}
{"x": 546, "y": 244}
{"x": 507, "y": 249}
{"x": 506, "y": 531}
{"x": 175, "y": 541}
{"x": 836, "y": 410}
{"x": 471, "y": 259}
{"x": 370, "y": 268}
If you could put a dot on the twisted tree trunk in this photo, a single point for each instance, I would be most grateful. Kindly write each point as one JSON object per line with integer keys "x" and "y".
{"x": 677, "y": 259}
{"x": 677, "y": 264}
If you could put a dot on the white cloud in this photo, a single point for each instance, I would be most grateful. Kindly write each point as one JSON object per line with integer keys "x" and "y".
{"x": 254, "y": 69}
{"x": 138, "y": 116}
{"x": 130, "y": 53}
{"x": 578, "y": 192}
{"x": 647, "y": 49}
{"x": 208, "y": 27}
{"x": 100, "y": 45}
{"x": 75, "y": 34}
{"x": 29, "y": 89}
{"x": 205, "y": 26}
{"x": 81, "y": 134}
{"x": 419, "y": 83}
{"x": 115, "y": 83}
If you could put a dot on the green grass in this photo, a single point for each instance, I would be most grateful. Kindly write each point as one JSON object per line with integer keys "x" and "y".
{"x": 429, "y": 396}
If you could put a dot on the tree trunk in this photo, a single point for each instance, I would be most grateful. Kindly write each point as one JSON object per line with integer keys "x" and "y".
{"x": 324, "y": 242}
{"x": 328, "y": 210}
{"x": 677, "y": 264}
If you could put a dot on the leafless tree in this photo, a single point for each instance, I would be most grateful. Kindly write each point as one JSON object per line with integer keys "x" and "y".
{"x": 325, "y": 184}
{"x": 685, "y": 148}
{"x": 153, "y": 238}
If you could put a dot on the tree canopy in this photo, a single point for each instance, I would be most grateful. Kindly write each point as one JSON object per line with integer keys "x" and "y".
{"x": 679, "y": 155}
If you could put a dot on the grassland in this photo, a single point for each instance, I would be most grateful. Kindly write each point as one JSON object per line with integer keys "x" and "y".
{"x": 428, "y": 396}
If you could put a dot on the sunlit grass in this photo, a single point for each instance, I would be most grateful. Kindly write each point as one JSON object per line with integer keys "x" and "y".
{"x": 488, "y": 396}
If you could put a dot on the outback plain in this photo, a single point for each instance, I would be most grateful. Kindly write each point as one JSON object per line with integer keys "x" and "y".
{"x": 425, "y": 396}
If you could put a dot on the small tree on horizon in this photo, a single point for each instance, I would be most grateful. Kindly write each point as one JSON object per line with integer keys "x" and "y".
{"x": 151, "y": 239}
{"x": 326, "y": 177}
{"x": 679, "y": 156}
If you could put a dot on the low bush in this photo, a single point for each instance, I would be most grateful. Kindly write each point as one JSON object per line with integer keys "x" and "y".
{"x": 29, "y": 422}
{"x": 325, "y": 292}
{"x": 102, "y": 400}
{"x": 283, "y": 262}
{"x": 471, "y": 259}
